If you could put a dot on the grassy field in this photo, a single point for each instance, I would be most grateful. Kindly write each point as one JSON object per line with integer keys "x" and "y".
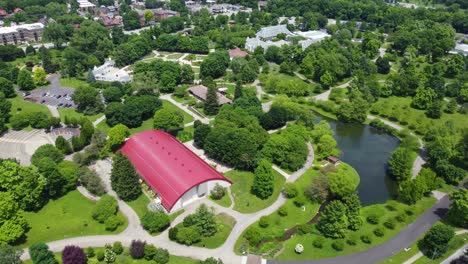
{"x": 386, "y": 211}
{"x": 225, "y": 201}
{"x": 246, "y": 202}
{"x": 18, "y": 105}
{"x": 72, "y": 113}
{"x": 295, "y": 215}
{"x": 125, "y": 258}
{"x": 174, "y": 56}
{"x": 72, "y": 82}
{"x": 398, "y": 109}
{"x": 168, "y": 105}
{"x": 48, "y": 224}
{"x": 139, "y": 205}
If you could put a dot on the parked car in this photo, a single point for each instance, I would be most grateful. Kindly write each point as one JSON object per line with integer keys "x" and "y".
{"x": 58, "y": 96}
{"x": 43, "y": 101}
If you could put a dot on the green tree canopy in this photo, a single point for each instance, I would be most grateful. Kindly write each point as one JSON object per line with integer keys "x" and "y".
{"x": 344, "y": 182}
{"x": 124, "y": 179}
{"x": 263, "y": 184}
{"x": 25, "y": 80}
{"x": 168, "y": 120}
{"x": 458, "y": 212}
{"x": 117, "y": 136}
{"x": 333, "y": 221}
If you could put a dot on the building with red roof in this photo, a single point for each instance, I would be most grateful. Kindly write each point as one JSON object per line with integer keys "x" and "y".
{"x": 176, "y": 174}
{"x": 237, "y": 53}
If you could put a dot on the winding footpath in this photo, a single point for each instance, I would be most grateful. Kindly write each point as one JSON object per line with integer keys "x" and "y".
{"x": 135, "y": 231}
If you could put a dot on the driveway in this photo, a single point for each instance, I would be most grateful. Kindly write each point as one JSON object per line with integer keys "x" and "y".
{"x": 405, "y": 238}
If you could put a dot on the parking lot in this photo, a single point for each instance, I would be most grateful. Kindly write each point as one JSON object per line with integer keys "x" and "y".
{"x": 53, "y": 96}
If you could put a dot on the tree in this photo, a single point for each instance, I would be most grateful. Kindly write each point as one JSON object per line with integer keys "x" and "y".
{"x": 137, "y": 249}
{"x": 63, "y": 145}
{"x": 211, "y": 105}
{"x": 124, "y": 179}
{"x": 200, "y": 133}
{"x": 400, "y": 163}
{"x": 435, "y": 241}
{"x": 383, "y": 65}
{"x": 148, "y": 16}
{"x": 435, "y": 109}
{"x": 10, "y": 255}
{"x": 117, "y": 136}
{"x": 86, "y": 99}
{"x": 238, "y": 91}
{"x": 188, "y": 235}
{"x": 353, "y": 111}
{"x": 412, "y": 191}
{"x": 155, "y": 222}
{"x": 44, "y": 55}
{"x": 168, "y": 120}
{"x": 319, "y": 189}
{"x": 131, "y": 20}
{"x": 40, "y": 77}
{"x": 217, "y": 192}
{"x": 25, "y": 81}
{"x": 423, "y": 98}
{"x": 263, "y": 183}
{"x": 73, "y": 255}
{"x": 109, "y": 255}
{"x": 46, "y": 151}
{"x": 104, "y": 208}
{"x": 204, "y": 221}
{"x": 326, "y": 146}
{"x": 458, "y": 213}
{"x": 6, "y": 87}
{"x": 344, "y": 182}
{"x": 333, "y": 221}
{"x": 353, "y": 211}
{"x": 40, "y": 254}
{"x": 56, "y": 33}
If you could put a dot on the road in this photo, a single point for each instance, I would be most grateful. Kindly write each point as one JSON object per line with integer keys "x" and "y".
{"x": 403, "y": 239}
{"x": 455, "y": 255}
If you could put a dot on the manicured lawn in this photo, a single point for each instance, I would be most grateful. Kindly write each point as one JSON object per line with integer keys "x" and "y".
{"x": 186, "y": 134}
{"x": 72, "y": 113}
{"x": 246, "y": 202}
{"x": 68, "y": 216}
{"x": 398, "y": 109}
{"x": 125, "y": 258}
{"x": 72, "y": 82}
{"x": 140, "y": 205}
{"x": 174, "y": 56}
{"x": 168, "y": 105}
{"x": 386, "y": 211}
{"x": 146, "y": 125}
{"x": 225, "y": 201}
{"x": 295, "y": 216}
{"x": 19, "y": 105}
{"x": 103, "y": 126}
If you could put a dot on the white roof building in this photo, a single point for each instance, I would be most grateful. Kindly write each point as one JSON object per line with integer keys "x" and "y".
{"x": 311, "y": 37}
{"x": 252, "y": 43}
{"x": 460, "y": 48}
{"x": 272, "y": 32}
{"x": 109, "y": 73}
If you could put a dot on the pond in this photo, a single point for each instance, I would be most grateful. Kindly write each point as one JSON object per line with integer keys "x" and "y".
{"x": 367, "y": 149}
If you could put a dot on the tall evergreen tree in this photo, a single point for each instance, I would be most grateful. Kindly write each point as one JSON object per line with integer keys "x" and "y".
{"x": 25, "y": 80}
{"x": 44, "y": 55}
{"x": 238, "y": 91}
{"x": 263, "y": 184}
{"x": 124, "y": 178}
{"x": 211, "y": 105}
{"x": 63, "y": 145}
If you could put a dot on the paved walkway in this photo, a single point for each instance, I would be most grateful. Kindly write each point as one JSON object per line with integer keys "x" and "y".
{"x": 184, "y": 108}
{"x": 455, "y": 255}
{"x": 324, "y": 96}
{"x": 99, "y": 120}
{"x": 53, "y": 110}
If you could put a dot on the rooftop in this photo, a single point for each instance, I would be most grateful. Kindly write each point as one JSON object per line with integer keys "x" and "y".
{"x": 167, "y": 165}
{"x": 273, "y": 31}
{"x": 35, "y": 26}
{"x": 201, "y": 90}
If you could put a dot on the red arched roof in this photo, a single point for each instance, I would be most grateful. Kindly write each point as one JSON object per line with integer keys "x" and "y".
{"x": 167, "y": 165}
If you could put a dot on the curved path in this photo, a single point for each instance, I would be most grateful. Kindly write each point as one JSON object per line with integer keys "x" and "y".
{"x": 403, "y": 239}
{"x": 135, "y": 231}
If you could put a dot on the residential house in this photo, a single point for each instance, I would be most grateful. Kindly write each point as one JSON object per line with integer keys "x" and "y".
{"x": 109, "y": 73}
{"x": 200, "y": 91}
{"x": 21, "y": 33}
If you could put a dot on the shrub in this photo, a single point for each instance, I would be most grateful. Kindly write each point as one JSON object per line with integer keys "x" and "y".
{"x": 366, "y": 239}
{"x": 290, "y": 190}
{"x": 218, "y": 192}
{"x": 104, "y": 208}
{"x": 318, "y": 242}
{"x": 264, "y": 222}
{"x": 253, "y": 235}
{"x": 299, "y": 201}
{"x": 390, "y": 224}
{"x": 162, "y": 256}
{"x": 90, "y": 180}
{"x": 373, "y": 219}
{"x": 338, "y": 245}
{"x": 117, "y": 248}
{"x": 351, "y": 242}
{"x": 150, "y": 251}
{"x": 173, "y": 233}
{"x": 379, "y": 232}
{"x": 283, "y": 211}
{"x": 73, "y": 255}
{"x": 401, "y": 218}
{"x": 90, "y": 252}
{"x": 304, "y": 229}
{"x": 188, "y": 235}
{"x": 137, "y": 249}
{"x": 100, "y": 255}
{"x": 113, "y": 222}
{"x": 155, "y": 222}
